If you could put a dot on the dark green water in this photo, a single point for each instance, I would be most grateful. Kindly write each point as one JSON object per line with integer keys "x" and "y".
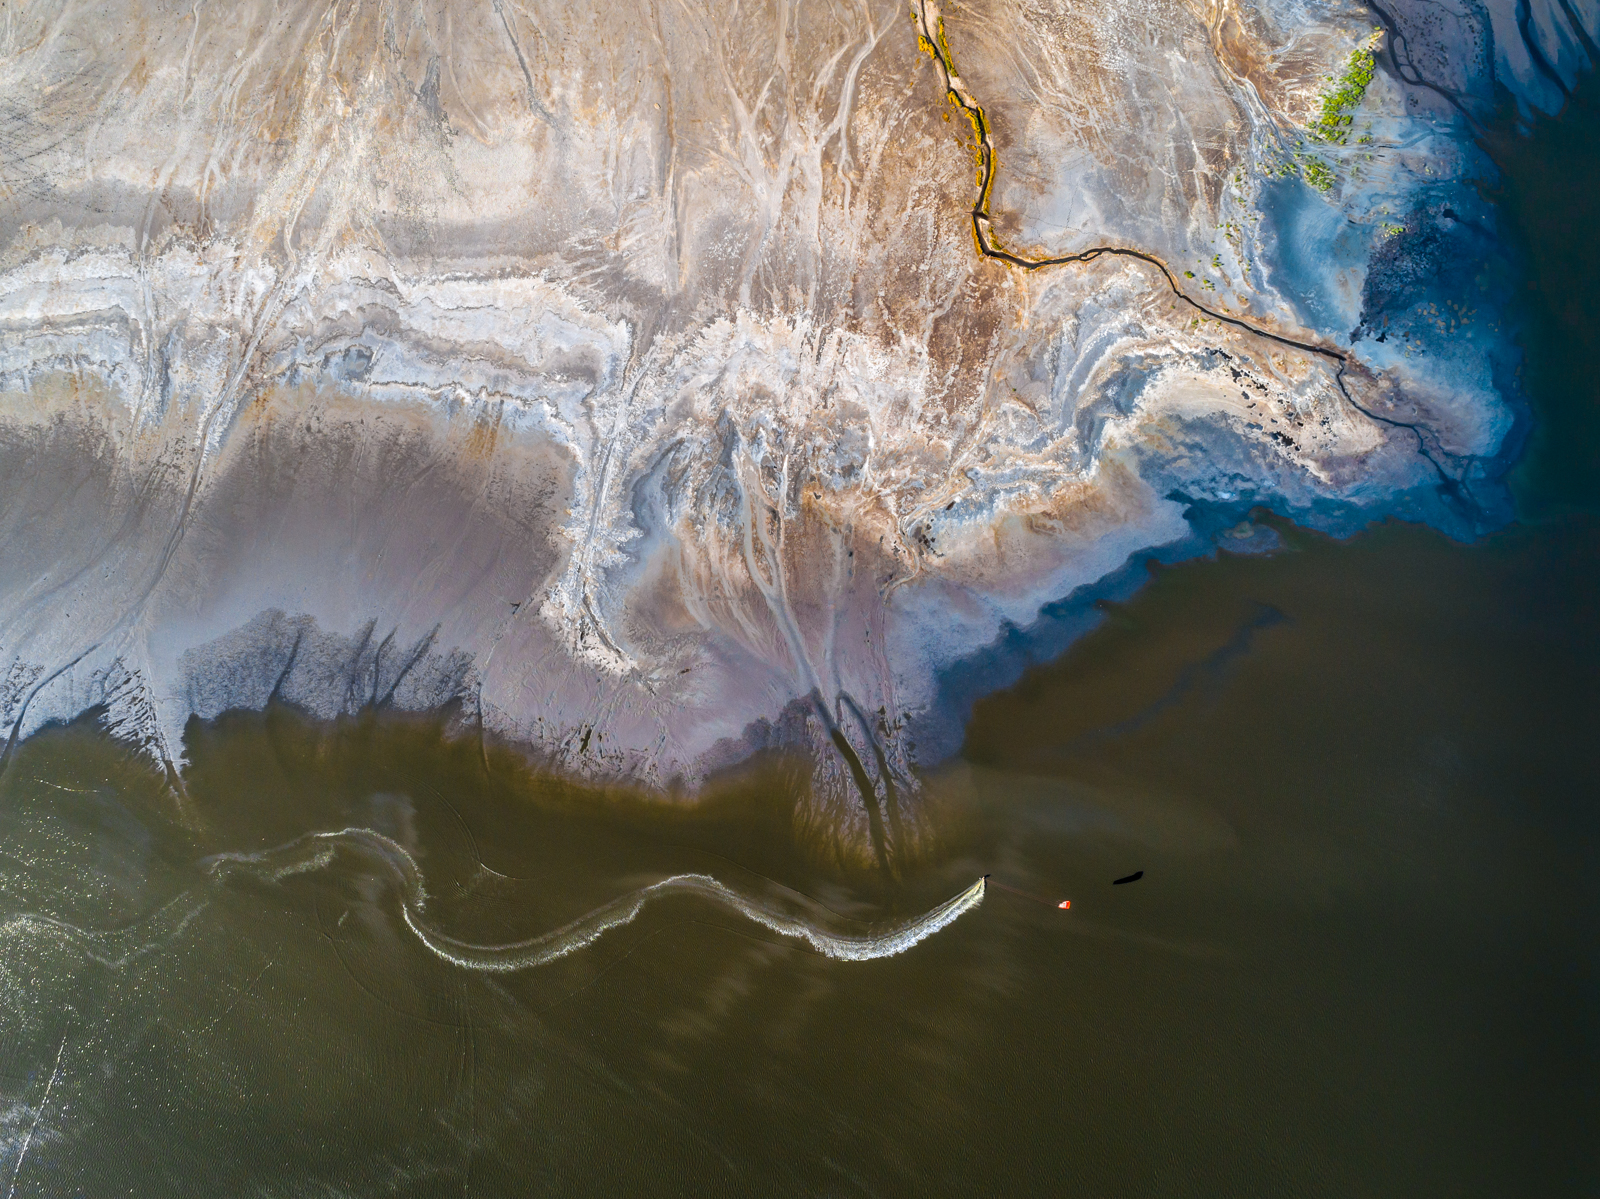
{"x": 1361, "y": 961}
{"x": 1364, "y": 958}
{"x": 1549, "y": 195}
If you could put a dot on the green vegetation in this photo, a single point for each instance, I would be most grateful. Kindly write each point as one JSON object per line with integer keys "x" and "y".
{"x": 1333, "y": 122}
{"x": 1335, "y": 117}
{"x": 1318, "y": 174}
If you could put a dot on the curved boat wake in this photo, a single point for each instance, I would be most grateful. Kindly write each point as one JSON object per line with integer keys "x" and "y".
{"x": 316, "y": 851}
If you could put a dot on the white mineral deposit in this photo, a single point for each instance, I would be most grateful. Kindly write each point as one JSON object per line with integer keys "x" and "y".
{"x": 658, "y": 384}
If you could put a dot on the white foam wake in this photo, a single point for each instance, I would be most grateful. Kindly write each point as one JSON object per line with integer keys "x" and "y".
{"x": 316, "y": 851}
{"x": 110, "y": 947}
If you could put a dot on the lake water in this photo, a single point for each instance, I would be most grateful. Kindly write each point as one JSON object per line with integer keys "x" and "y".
{"x": 1362, "y": 959}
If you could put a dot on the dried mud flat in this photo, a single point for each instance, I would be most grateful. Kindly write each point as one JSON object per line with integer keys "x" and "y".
{"x": 663, "y": 385}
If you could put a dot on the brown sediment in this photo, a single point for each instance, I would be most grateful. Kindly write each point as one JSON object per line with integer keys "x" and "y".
{"x": 812, "y": 438}
{"x": 1285, "y": 81}
{"x": 931, "y": 37}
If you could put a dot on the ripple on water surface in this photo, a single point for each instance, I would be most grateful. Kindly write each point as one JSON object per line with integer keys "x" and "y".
{"x": 1354, "y": 964}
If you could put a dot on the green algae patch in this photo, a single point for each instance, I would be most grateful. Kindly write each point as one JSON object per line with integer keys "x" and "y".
{"x": 1336, "y": 110}
{"x": 1318, "y": 174}
{"x": 1335, "y": 114}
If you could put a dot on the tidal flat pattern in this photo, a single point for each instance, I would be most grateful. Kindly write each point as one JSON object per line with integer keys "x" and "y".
{"x": 798, "y": 599}
{"x": 1355, "y": 962}
{"x": 662, "y": 387}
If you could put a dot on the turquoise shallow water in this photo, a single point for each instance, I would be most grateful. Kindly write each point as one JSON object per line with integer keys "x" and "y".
{"x": 1358, "y": 777}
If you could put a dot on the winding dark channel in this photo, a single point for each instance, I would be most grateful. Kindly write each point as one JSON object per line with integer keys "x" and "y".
{"x": 931, "y": 37}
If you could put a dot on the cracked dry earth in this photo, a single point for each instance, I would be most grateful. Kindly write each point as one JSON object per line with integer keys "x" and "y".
{"x": 630, "y": 377}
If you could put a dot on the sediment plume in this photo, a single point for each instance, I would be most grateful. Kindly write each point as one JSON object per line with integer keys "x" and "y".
{"x": 658, "y": 388}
